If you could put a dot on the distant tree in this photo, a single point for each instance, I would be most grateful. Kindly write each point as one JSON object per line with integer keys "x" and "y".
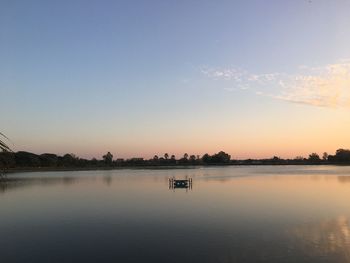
{"x": 48, "y": 159}
{"x": 218, "y": 158}
{"x": 192, "y": 159}
{"x": 206, "y": 158}
{"x": 341, "y": 156}
{"x": 221, "y": 157}
{"x": 186, "y": 156}
{"x": 27, "y": 159}
{"x": 155, "y": 159}
{"x": 166, "y": 156}
{"x": 275, "y": 158}
{"x": 69, "y": 159}
{"x": 172, "y": 159}
{"x": 135, "y": 161}
{"x": 94, "y": 161}
{"x": 314, "y": 158}
{"x": 299, "y": 160}
{"x": 325, "y": 156}
{"x": 108, "y": 158}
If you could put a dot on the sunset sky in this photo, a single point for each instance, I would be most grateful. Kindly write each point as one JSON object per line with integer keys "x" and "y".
{"x": 138, "y": 78}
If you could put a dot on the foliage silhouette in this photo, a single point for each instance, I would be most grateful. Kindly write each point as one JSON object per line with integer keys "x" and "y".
{"x": 3, "y": 146}
{"x": 23, "y": 160}
{"x": 108, "y": 158}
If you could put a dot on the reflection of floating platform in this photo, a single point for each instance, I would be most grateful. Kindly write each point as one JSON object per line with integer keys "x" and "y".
{"x": 183, "y": 183}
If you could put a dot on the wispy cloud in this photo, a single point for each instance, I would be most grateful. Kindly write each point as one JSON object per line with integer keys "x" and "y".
{"x": 325, "y": 86}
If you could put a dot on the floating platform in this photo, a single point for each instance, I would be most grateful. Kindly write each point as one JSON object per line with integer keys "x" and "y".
{"x": 180, "y": 183}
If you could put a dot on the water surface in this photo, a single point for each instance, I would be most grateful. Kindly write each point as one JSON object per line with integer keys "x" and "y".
{"x": 232, "y": 214}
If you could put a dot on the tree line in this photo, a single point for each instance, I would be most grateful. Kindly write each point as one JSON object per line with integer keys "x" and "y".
{"x": 22, "y": 159}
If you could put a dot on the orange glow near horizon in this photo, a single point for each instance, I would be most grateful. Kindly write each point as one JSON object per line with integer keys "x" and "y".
{"x": 294, "y": 130}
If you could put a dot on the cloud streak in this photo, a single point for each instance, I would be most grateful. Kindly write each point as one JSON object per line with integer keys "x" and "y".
{"x": 326, "y": 86}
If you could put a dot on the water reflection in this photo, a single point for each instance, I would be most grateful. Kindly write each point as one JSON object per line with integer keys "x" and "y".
{"x": 329, "y": 238}
{"x": 235, "y": 214}
{"x": 8, "y": 184}
{"x": 344, "y": 179}
{"x": 107, "y": 179}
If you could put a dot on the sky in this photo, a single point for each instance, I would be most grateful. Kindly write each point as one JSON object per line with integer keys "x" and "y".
{"x": 137, "y": 78}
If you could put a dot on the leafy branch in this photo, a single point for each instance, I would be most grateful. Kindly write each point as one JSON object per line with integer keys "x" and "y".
{"x": 3, "y": 146}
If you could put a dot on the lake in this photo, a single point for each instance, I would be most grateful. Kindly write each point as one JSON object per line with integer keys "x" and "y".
{"x": 231, "y": 214}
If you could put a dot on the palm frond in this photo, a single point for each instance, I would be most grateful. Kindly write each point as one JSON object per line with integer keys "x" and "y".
{"x": 3, "y": 135}
{"x": 3, "y": 146}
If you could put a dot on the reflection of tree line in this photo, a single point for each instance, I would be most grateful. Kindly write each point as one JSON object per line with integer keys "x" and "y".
{"x": 7, "y": 184}
{"x": 30, "y": 160}
{"x": 344, "y": 179}
{"x": 10, "y": 183}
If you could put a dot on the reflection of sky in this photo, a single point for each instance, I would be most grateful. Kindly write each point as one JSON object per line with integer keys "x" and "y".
{"x": 326, "y": 239}
{"x": 232, "y": 213}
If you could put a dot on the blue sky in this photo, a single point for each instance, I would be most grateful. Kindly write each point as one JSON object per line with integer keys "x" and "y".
{"x": 146, "y": 77}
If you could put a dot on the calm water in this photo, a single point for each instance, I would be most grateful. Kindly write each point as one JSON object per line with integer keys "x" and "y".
{"x": 232, "y": 214}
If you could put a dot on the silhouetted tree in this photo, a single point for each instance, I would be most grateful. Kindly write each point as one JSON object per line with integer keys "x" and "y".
{"x": 325, "y": 156}
{"x": 172, "y": 159}
{"x": 299, "y": 160}
{"x": 94, "y": 161}
{"x": 341, "y": 156}
{"x": 166, "y": 156}
{"x": 48, "y": 160}
{"x": 275, "y": 158}
{"x": 27, "y": 159}
{"x": 222, "y": 157}
{"x": 108, "y": 158}
{"x": 218, "y": 158}
{"x": 314, "y": 158}
{"x": 206, "y": 158}
{"x": 192, "y": 159}
{"x": 186, "y": 156}
{"x": 69, "y": 159}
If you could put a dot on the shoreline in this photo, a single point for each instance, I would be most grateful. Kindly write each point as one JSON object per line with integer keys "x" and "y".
{"x": 155, "y": 167}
